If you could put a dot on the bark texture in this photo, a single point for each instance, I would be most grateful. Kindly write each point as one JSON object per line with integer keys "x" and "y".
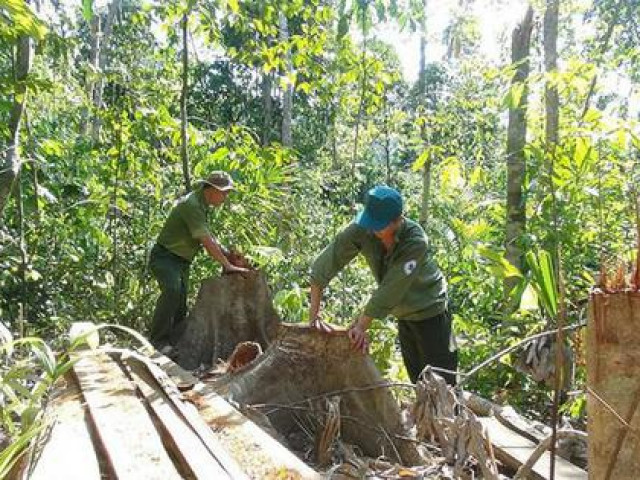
{"x": 516, "y": 141}
{"x": 229, "y": 310}
{"x": 10, "y": 165}
{"x": 613, "y": 379}
{"x": 300, "y": 369}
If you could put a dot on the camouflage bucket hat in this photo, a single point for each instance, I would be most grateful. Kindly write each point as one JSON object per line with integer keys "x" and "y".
{"x": 219, "y": 180}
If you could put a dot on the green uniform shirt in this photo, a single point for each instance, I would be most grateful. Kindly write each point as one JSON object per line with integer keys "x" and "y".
{"x": 186, "y": 225}
{"x": 410, "y": 284}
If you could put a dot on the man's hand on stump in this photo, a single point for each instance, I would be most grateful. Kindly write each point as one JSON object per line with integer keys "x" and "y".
{"x": 358, "y": 334}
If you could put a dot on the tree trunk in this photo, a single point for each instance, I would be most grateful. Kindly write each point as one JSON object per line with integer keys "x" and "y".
{"x": 11, "y": 163}
{"x": 183, "y": 103}
{"x": 229, "y": 310}
{"x": 422, "y": 79}
{"x": 613, "y": 384}
{"x": 333, "y": 128}
{"x": 287, "y": 97}
{"x": 94, "y": 65}
{"x": 363, "y": 88}
{"x": 516, "y": 140}
{"x": 267, "y": 104}
{"x": 550, "y": 63}
{"x": 98, "y": 89}
{"x": 387, "y": 141}
{"x": 552, "y": 126}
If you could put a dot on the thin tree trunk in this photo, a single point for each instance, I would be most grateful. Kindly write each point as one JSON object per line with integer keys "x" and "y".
{"x": 24, "y": 257}
{"x": 267, "y": 104}
{"x": 387, "y": 142}
{"x": 287, "y": 98}
{"x": 516, "y": 140}
{"x": 94, "y": 65}
{"x": 335, "y": 157}
{"x": 34, "y": 167}
{"x": 10, "y": 166}
{"x": 552, "y": 127}
{"x": 550, "y": 63}
{"x": 183, "y": 103}
{"x": 102, "y": 62}
{"x": 426, "y": 171}
{"x": 363, "y": 83}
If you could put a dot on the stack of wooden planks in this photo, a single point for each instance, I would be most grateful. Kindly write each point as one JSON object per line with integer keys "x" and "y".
{"x": 120, "y": 416}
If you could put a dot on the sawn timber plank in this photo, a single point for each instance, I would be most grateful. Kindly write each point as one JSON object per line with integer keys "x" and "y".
{"x": 190, "y": 450}
{"x": 68, "y": 451}
{"x": 513, "y": 450}
{"x": 129, "y": 441}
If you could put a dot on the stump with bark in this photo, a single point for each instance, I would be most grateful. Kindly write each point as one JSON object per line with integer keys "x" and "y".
{"x": 229, "y": 309}
{"x": 300, "y": 369}
{"x": 613, "y": 378}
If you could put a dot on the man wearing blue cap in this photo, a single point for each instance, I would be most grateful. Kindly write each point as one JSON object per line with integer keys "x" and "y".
{"x": 411, "y": 287}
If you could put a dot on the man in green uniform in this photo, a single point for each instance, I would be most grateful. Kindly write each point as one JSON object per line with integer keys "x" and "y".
{"x": 184, "y": 233}
{"x": 411, "y": 287}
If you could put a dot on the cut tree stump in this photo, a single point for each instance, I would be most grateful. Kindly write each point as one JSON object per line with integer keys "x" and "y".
{"x": 229, "y": 309}
{"x": 298, "y": 363}
{"x": 613, "y": 379}
{"x": 301, "y": 368}
{"x": 260, "y": 455}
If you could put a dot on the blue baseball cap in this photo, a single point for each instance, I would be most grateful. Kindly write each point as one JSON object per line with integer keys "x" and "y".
{"x": 382, "y": 205}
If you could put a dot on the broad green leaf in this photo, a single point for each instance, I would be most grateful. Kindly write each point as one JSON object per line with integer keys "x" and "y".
{"x": 498, "y": 264}
{"x": 584, "y": 153}
{"x": 452, "y": 177}
{"x": 543, "y": 280}
{"x": 87, "y": 10}
{"x": 513, "y": 98}
{"x": 234, "y": 6}
{"x": 421, "y": 160}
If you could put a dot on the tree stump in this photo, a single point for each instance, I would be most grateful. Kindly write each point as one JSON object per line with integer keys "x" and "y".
{"x": 229, "y": 309}
{"x": 613, "y": 378}
{"x": 301, "y": 369}
{"x": 298, "y": 371}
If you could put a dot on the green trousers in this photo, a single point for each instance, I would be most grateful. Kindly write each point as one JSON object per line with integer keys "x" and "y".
{"x": 428, "y": 342}
{"x": 172, "y": 273}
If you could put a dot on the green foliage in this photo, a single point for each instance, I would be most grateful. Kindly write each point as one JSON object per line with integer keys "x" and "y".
{"x": 17, "y": 19}
{"x": 543, "y": 279}
{"x": 92, "y": 206}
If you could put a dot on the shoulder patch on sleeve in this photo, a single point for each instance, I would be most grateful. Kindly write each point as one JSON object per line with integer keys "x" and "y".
{"x": 410, "y": 266}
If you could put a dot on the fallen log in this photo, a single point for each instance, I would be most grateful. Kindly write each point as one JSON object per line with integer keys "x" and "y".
{"x": 195, "y": 457}
{"x": 514, "y": 450}
{"x": 260, "y": 455}
{"x": 516, "y": 440}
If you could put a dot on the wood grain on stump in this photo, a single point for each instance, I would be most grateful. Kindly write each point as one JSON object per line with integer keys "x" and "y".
{"x": 613, "y": 374}
{"x": 303, "y": 363}
{"x": 228, "y": 310}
